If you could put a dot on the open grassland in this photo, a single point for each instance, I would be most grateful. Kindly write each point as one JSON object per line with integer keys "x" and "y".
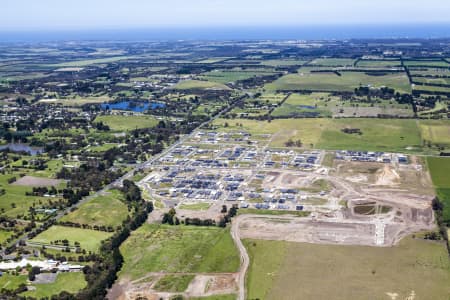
{"x": 4, "y": 235}
{"x": 348, "y": 81}
{"x": 199, "y": 85}
{"x": 173, "y": 283}
{"x": 378, "y": 63}
{"x": 89, "y": 240}
{"x": 435, "y": 131}
{"x": 124, "y": 123}
{"x": 232, "y": 76}
{"x": 12, "y": 282}
{"x": 333, "y": 62}
{"x": 14, "y": 202}
{"x": 439, "y": 169}
{"x": 308, "y": 130}
{"x": 304, "y": 105}
{"x": 283, "y": 62}
{"x": 377, "y": 135}
{"x": 283, "y": 270}
{"x": 157, "y": 248}
{"x": 107, "y": 210}
{"x": 195, "y": 206}
{"x": 71, "y": 282}
{"x": 426, "y": 63}
{"x": 76, "y": 101}
{"x": 215, "y": 297}
{"x": 88, "y": 62}
{"x": 427, "y": 80}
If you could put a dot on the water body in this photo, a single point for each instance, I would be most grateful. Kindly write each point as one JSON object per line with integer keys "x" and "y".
{"x": 132, "y": 106}
{"x": 307, "y": 32}
{"x": 22, "y": 148}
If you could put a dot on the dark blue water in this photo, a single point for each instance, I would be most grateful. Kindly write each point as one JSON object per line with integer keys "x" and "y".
{"x": 132, "y": 106}
{"x": 22, "y": 148}
{"x": 307, "y": 32}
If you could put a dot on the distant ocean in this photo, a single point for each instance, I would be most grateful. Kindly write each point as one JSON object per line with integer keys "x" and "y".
{"x": 339, "y": 32}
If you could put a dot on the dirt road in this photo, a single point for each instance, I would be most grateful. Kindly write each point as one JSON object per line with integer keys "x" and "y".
{"x": 245, "y": 260}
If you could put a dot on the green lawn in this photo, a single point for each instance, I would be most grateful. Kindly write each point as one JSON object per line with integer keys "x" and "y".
{"x": 157, "y": 248}
{"x": 284, "y": 270}
{"x": 71, "y": 282}
{"x": 125, "y": 123}
{"x": 106, "y": 210}
{"x": 199, "y": 85}
{"x": 88, "y": 239}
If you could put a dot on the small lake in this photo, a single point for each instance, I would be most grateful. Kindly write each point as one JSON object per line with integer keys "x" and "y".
{"x": 132, "y": 106}
{"x": 22, "y": 148}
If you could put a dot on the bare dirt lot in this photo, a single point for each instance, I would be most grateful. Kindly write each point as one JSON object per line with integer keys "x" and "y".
{"x": 37, "y": 181}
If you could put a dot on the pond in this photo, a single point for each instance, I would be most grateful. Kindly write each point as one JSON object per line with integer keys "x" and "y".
{"x": 15, "y": 147}
{"x": 132, "y": 106}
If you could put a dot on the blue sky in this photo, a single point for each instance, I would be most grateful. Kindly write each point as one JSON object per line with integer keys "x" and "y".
{"x": 105, "y": 14}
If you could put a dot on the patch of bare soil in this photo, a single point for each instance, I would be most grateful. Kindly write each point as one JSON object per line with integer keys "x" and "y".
{"x": 387, "y": 176}
{"x": 37, "y": 181}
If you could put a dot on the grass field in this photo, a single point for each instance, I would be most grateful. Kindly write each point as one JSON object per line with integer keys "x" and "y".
{"x": 124, "y": 123}
{"x": 12, "y": 282}
{"x": 231, "y": 76}
{"x": 426, "y": 63}
{"x": 70, "y": 282}
{"x": 333, "y": 62}
{"x": 88, "y": 239}
{"x": 216, "y": 297}
{"x": 4, "y": 235}
{"x": 155, "y": 248}
{"x": 439, "y": 169}
{"x": 199, "y": 85}
{"x": 435, "y": 131}
{"x": 173, "y": 283}
{"x": 348, "y": 81}
{"x": 106, "y": 210}
{"x": 378, "y": 135}
{"x": 14, "y": 202}
{"x": 195, "y": 206}
{"x": 283, "y": 270}
{"x": 378, "y": 63}
{"x": 88, "y": 62}
{"x": 283, "y": 62}
{"x": 272, "y": 212}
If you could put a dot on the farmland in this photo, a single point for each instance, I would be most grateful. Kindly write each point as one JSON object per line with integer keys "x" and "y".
{"x": 291, "y": 270}
{"x": 347, "y": 81}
